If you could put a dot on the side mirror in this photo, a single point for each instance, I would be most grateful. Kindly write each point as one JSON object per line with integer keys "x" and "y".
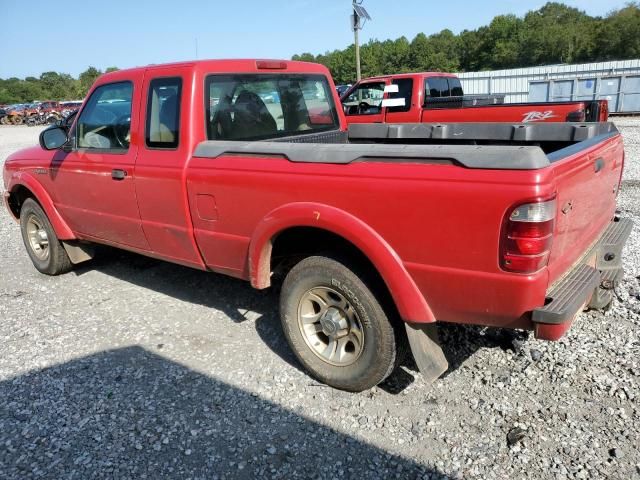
{"x": 53, "y": 138}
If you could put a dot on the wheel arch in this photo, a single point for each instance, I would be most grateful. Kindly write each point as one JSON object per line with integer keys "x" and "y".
{"x": 405, "y": 294}
{"x": 27, "y": 187}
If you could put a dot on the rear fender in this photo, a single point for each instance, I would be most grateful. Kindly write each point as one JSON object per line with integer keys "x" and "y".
{"x": 410, "y": 302}
{"x": 26, "y": 180}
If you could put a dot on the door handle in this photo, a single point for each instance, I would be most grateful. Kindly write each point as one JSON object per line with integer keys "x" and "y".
{"x": 118, "y": 174}
{"x": 598, "y": 164}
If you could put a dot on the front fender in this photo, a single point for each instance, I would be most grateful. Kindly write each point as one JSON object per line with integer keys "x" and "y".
{"x": 410, "y": 302}
{"x": 26, "y": 180}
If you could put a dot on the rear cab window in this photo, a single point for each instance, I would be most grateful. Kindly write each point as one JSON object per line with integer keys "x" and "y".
{"x": 436, "y": 87}
{"x": 455, "y": 87}
{"x": 441, "y": 91}
{"x": 264, "y": 106}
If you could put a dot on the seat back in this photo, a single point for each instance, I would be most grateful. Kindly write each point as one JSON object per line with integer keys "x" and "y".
{"x": 252, "y": 117}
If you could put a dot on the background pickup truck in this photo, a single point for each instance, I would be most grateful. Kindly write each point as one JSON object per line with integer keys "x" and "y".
{"x": 374, "y": 234}
{"x": 438, "y": 97}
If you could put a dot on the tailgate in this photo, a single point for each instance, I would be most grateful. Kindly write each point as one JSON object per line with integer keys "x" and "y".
{"x": 587, "y": 177}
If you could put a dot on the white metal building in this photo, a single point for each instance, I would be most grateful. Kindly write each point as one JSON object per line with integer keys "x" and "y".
{"x": 618, "y": 82}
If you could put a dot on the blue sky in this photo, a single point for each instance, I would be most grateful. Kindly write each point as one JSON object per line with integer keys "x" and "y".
{"x": 70, "y": 35}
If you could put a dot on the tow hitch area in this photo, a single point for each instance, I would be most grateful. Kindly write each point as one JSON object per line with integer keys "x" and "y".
{"x": 584, "y": 286}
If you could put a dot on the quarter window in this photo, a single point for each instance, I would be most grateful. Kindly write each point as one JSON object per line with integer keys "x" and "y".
{"x": 436, "y": 87}
{"x": 105, "y": 122}
{"x": 455, "y": 87}
{"x": 163, "y": 113}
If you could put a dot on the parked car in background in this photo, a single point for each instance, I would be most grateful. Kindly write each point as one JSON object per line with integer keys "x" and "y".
{"x": 439, "y": 97}
{"x": 342, "y": 88}
{"x": 375, "y": 234}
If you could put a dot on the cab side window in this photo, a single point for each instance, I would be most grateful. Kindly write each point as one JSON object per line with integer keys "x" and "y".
{"x": 163, "y": 113}
{"x": 455, "y": 87}
{"x": 436, "y": 87}
{"x": 366, "y": 99}
{"x": 405, "y": 90}
{"x": 105, "y": 123}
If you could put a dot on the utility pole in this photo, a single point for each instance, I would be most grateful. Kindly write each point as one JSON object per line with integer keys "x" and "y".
{"x": 355, "y": 35}
{"x": 359, "y": 13}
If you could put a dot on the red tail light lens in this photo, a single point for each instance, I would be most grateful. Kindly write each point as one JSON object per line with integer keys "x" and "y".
{"x": 527, "y": 237}
{"x": 270, "y": 65}
{"x": 604, "y": 111}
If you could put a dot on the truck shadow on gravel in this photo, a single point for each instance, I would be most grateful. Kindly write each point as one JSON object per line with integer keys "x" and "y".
{"x": 129, "y": 413}
{"x": 241, "y": 303}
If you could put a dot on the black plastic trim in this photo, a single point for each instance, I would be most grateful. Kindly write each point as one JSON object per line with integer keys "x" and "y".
{"x": 578, "y": 288}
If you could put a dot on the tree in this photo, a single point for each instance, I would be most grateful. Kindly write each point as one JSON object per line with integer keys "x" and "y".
{"x": 85, "y": 80}
{"x": 618, "y": 37}
{"x": 555, "y": 33}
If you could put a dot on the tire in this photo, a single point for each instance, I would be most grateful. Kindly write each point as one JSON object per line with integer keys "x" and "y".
{"x": 323, "y": 303}
{"x": 42, "y": 244}
{"x": 18, "y": 120}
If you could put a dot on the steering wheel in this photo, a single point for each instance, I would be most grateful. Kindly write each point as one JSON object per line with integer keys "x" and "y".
{"x": 122, "y": 130}
{"x": 363, "y": 106}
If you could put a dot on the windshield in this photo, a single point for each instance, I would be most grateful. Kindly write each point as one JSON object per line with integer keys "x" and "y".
{"x": 263, "y": 106}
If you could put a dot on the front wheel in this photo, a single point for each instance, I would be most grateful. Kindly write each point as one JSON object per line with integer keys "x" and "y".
{"x": 45, "y": 250}
{"x": 335, "y": 326}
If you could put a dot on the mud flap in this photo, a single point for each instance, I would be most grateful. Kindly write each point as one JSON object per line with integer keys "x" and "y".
{"x": 78, "y": 252}
{"x": 425, "y": 346}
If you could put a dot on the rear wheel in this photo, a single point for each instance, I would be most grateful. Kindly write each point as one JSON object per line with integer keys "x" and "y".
{"x": 335, "y": 325}
{"x": 45, "y": 250}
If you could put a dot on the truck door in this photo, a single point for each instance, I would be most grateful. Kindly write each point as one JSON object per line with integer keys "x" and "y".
{"x": 164, "y": 149}
{"x": 94, "y": 182}
{"x": 364, "y": 103}
{"x": 401, "y": 102}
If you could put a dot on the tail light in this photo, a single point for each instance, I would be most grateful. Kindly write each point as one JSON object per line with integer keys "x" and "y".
{"x": 271, "y": 65}
{"x": 577, "y": 116}
{"x": 604, "y": 111}
{"x": 527, "y": 235}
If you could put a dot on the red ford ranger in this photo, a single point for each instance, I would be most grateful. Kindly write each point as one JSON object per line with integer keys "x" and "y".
{"x": 438, "y": 97}
{"x": 378, "y": 233}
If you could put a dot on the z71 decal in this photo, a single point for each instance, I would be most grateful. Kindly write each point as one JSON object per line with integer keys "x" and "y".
{"x": 538, "y": 116}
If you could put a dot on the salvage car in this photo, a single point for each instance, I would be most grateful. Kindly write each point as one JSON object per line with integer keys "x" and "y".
{"x": 375, "y": 234}
{"x": 439, "y": 97}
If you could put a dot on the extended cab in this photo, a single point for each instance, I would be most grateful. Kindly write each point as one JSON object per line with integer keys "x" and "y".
{"x": 375, "y": 234}
{"x": 438, "y": 97}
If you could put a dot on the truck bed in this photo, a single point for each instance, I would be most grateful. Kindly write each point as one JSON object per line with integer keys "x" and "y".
{"x": 472, "y": 145}
{"x": 410, "y": 182}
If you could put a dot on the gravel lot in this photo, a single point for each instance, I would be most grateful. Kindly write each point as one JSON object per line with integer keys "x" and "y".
{"x": 134, "y": 368}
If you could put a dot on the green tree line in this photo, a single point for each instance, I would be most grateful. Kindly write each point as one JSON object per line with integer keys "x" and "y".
{"x": 555, "y": 33}
{"x": 49, "y": 86}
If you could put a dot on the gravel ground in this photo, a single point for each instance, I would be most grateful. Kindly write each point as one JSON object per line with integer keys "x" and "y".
{"x": 134, "y": 368}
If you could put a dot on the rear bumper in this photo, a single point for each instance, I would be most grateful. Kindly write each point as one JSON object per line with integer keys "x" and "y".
{"x": 588, "y": 284}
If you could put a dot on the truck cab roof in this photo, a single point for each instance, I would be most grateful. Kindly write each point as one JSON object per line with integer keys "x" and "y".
{"x": 229, "y": 66}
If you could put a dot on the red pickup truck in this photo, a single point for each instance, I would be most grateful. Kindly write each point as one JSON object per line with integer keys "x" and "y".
{"x": 438, "y": 97}
{"x": 374, "y": 234}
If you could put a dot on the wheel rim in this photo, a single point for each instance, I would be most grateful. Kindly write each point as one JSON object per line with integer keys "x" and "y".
{"x": 38, "y": 238}
{"x": 330, "y": 326}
